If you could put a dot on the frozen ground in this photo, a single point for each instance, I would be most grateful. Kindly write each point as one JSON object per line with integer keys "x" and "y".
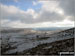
{"x": 19, "y": 42}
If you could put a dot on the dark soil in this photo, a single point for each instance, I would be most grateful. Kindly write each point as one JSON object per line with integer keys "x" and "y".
{"x": 57, "y": 47}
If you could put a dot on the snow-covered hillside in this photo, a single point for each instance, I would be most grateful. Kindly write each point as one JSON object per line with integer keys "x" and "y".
{"x": 14, "y": 42}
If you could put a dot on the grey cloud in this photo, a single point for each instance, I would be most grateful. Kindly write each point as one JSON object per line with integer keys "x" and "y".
{"x": 68, "y": 6}
{"x": 28, "y": 18}
{"x": 45, "y": 16}
{"x": 24, "y": 17}
{"x": 49, "y": 17}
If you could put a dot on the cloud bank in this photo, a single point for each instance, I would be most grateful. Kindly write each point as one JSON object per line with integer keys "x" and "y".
{"x": 51, "y": 14}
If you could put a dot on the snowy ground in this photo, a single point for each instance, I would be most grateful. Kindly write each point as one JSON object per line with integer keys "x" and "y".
{"x": 23, "y": 41}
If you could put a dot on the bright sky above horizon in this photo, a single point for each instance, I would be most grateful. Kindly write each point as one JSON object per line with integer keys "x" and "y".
{"x": 37, "y": 13}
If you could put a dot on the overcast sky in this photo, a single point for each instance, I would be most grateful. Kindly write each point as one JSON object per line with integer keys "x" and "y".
{"x": 34, "y": 13}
